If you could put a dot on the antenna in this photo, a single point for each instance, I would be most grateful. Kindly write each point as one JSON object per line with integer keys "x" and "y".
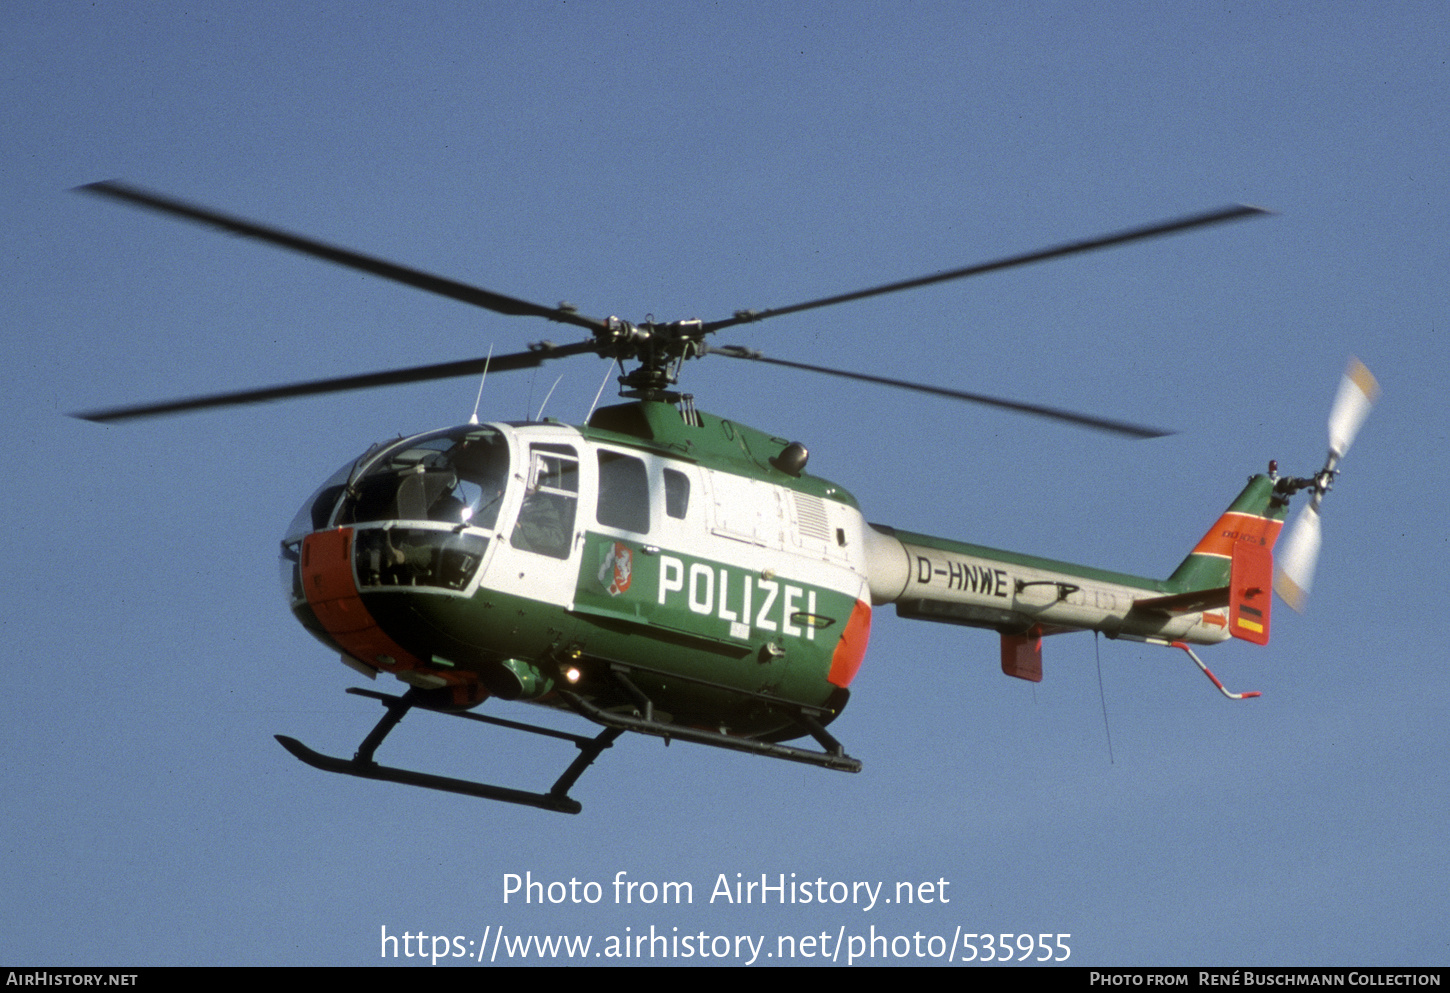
{"x": 600, "y": 392}
{"x": 1097, "y": 649}
{"x": 481, "y": 380}
{"x": 540, "y": 415}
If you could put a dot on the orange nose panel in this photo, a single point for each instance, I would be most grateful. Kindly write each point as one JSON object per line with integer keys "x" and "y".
{"x": 331, "y": 593}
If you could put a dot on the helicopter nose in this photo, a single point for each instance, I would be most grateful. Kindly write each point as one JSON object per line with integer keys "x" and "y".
{"x": 325, "y": 568}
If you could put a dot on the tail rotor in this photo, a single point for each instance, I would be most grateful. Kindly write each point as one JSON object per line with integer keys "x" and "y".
{"x": 1294, "y": 576}
{"x": 1295, "y": 569}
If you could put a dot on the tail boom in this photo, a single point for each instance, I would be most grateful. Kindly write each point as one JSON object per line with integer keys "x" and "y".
{"x": 951, "y": 582}
{"x": 1220, "y": 590}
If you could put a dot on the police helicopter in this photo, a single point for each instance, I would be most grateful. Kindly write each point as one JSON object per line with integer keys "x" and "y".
{"x": 665, "y": 571}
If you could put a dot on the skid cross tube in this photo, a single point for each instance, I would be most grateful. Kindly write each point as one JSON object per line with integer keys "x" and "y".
{"x": 362, "y": 765}
{"x": 833, "y": 757}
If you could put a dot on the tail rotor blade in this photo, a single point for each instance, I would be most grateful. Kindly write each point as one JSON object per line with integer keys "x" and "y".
{"x": 1358, "y": 392}
{"x": 1295, "y": 573}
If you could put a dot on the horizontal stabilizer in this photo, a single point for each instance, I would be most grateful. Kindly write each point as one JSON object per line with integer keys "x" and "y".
{"x": 1246, "y": 595}
{"x": 1192, "y": 602}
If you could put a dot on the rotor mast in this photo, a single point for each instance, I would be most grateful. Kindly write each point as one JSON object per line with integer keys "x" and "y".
{"x": 660, "y": 349}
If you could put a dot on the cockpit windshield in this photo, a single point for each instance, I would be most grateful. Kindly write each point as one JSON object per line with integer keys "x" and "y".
{"x": 455, "y": 477}
{"x": 451, "y": 477}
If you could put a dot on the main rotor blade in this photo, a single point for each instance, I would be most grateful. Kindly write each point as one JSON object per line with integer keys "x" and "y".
{"x": 1220, "y": 216}
{"x": 392, "y": 377}
{"x": 428, "y": 282}
{"x": 1036, "y": 410}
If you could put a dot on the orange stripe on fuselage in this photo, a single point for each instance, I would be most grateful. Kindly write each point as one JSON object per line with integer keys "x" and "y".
{"x": 851, "y": 649}
{"x": 1235, "y": 526}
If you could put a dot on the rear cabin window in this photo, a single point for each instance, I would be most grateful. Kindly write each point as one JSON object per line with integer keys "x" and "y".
{"x": 623, "y": 493}
{"x": 677, "y": 493}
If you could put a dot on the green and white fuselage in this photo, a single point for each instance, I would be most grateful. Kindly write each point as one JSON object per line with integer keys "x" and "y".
{"x": 533, "y": 557}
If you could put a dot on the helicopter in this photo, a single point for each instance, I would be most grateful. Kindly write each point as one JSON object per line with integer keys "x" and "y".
{"x": 668, "y": 572}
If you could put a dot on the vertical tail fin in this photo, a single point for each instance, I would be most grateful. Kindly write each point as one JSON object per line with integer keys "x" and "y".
{"x": 1235, "y": 559}
{"x": 1255, "y": 517}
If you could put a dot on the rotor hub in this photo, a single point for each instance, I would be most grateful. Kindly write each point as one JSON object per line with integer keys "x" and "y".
{"x": 659, "y": 349}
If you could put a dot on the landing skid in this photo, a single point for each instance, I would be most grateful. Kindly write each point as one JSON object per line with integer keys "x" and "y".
{"x": 363, "y": 766}
{"x": 642, "y": 721}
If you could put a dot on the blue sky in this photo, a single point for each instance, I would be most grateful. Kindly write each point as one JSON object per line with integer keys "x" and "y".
{"x": 689, "y": 161}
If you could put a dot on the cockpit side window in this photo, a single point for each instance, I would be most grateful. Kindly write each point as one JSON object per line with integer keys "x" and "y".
{"x": 623, "y": 493}
{"x": 482, "y": 464}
